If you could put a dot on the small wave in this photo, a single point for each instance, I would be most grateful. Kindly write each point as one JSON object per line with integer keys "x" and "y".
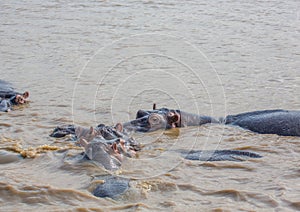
{"x": 5, "y": 125}
{"x": 295, "y": 205}
{"x": 222, "y": 165}
{"x": 257, "y": 199}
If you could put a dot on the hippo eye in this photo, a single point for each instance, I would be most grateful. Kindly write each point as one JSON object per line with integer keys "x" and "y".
{"x": 154, "y": 119}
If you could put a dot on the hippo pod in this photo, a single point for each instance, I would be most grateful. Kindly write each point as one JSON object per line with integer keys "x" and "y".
{"x": 280, "y": 122}
{"x": 111, "y": 153}
{"x": 104, "y": 145}
{"x": 9, "y": 97}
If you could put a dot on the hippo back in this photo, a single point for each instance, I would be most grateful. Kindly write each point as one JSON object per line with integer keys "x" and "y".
{"x": 280, "y": 122}
{"x": 6, "y": 90}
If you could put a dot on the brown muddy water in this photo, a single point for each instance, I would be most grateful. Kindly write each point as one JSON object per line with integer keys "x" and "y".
{"x": 91, "y": 62}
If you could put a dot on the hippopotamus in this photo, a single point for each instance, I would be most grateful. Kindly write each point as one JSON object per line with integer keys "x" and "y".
{"x": 10, "y": 97}
{"x": 280, "y": 122}
{"x": 164, "y": 118}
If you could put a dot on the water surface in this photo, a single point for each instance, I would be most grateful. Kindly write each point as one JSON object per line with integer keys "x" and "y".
{"x": 91, "y": 62}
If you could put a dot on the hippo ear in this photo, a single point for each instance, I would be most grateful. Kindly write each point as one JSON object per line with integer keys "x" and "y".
{"x": 114, "y": 147}
{"x": 141, "y": 113}
{"x": 119, "y": 127}
{"x": 92, "y": 131}
{"x": 154, "y": 106}
{"x": 26, "y": 94}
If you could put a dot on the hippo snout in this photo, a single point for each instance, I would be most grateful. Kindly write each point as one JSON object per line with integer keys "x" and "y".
{"x": 141, "y": 113}
{"x": 140, "y": 125}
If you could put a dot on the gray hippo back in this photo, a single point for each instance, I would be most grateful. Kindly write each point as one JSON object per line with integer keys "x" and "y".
{"x": 280, "y": 122}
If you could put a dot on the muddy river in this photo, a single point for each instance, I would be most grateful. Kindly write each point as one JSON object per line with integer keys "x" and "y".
{"x": 91, "y": 62}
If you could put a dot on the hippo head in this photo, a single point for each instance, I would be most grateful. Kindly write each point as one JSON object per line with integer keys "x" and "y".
{"x": 148, "y": 121}
{"x": 108, "y": 155}
{"x": 20, "y": 99}
{"x": 62, "y": 131}
{"x": 117, "y": 133}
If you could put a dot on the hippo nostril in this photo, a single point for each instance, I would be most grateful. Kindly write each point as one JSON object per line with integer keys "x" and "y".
{"x": 135, "y": 122}
{"x": 170, "y": 114}
{"x": 122, "y": 142}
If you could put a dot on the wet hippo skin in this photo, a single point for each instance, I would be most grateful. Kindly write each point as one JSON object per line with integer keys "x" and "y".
{"x": 104, "y": 154}
{"x": 280, "y": 122}
{"x": 112, "y": 187}
{"x": 218, "y": 155}
{"x": 164, "y": 118}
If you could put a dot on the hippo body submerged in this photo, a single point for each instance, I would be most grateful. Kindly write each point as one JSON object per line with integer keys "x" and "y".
{"x": 218, "y": 155}
{"x": 6, "y": 90}
{"x": 112, "y": 187}
{"x": 280, "y": 122}
{"x": 5, "y": 105}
